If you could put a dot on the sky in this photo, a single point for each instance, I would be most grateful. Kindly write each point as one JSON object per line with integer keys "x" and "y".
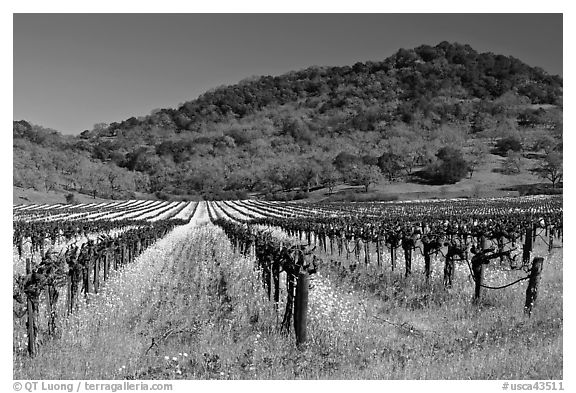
{"x": 72, "y": 71}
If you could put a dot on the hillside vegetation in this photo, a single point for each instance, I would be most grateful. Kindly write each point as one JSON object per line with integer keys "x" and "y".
{"x": 429, "y": 115}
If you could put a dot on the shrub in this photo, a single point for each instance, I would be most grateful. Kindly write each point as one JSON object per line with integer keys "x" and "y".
{"x": 70, "y": 198}
{"x": 449, "y": 169}
{"x": 506, "y": 144}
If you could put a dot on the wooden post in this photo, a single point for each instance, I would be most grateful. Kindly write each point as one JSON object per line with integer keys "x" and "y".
{"x": 88, "y": 268}
{"x": 31, "y": 327}
{"x": 31, "y": 311}
{"x": 478, "y": 262}
{"x": 393, "y": 256}
{"x": 52, "y": 300}
{"x": 69, "y": 292}
{"x": 97, "y": 273}
{"x": 301, "y": 307}
{"x": 532, "y": 290}
{"x": 527, "y": 248}
{"x": 276, "y": 279}
{"x": 290, "y": 286}
{"x": 378, "y": 258}
{"x": 106, "y": 264}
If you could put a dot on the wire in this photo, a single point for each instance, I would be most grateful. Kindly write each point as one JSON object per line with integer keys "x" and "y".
{"x": 490, "y": 287}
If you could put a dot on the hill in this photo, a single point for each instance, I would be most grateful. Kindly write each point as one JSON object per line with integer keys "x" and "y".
{"x": 317, "y": 127}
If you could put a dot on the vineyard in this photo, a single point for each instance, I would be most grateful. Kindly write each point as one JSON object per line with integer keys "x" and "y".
{"x": 249, "y": 289}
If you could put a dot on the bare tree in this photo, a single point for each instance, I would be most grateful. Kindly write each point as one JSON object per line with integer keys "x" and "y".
{"x": 550, "y": 168}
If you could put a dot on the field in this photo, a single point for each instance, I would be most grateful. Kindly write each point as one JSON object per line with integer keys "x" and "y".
{"x": 213, "y": 290}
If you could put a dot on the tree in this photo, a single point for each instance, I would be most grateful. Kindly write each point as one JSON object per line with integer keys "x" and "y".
{"x": 365, "y": 175}
{"x": 70, "y": 198}
{"x": 309, "y": 172}
{"x": 545, "y": 142}
{"x": 513, "y": 163}
{"x": 330, "y": 176}
{"x": 476, "y": 156}
{"x": 449, "y": 168}
{"x": 345, "y": 160}
{"x": 390, "y": 164}
{"x": 506, "y": 144}
{"x": 550, "y": 168}
{"x": 96, "y": 181}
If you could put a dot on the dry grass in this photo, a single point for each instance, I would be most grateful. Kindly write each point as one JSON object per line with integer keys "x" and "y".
{"x": 204, "y": 309}
{"x": 29, "y": 196}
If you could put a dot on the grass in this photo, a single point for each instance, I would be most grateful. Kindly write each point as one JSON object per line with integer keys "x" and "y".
{"x": 191, "y": 308}
{"x": 30, "y": 196}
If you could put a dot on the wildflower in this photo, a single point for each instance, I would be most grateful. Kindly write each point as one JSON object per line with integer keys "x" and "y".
{"x": 185, "y": 355}
{"x": 174, "y": 358}
{"x": 166, "y": 357}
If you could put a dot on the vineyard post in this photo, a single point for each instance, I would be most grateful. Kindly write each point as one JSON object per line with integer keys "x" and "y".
{"x": 550, "y": 238}
{"x": 478, "y": 268}
{"x": 290, "y": 284}
{"x": 276, "y": 279}
{"x": 532, "y": 290}
{"x": 378, "y": 258}
{"x": 366, "y": 252}
{"x": 88, "y": 268}
{"x": 106, "y": 264}
{"x": 393, "y": 256}
{"x": 31, "y": 310}
{"x": 52, "y": 300}
{"x": 527, "y": 249}
{"x": 69, "y": 291}
{"x": 301, "y": 307}
{"x": 97, "y": 259}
